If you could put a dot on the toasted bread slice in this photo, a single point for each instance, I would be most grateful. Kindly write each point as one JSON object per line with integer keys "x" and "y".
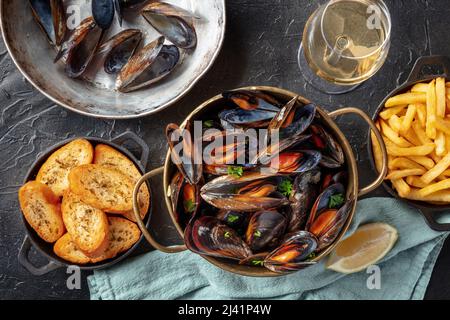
{"x": 65, "y": 248}
{"x": 55, "y": 170}
{"x": 109, "y": 157}
{"x": 102, "y": 187}
{"x": 42, "y": 210}
{"x": 123, "y": 235}
{"x": 88, "y": 226}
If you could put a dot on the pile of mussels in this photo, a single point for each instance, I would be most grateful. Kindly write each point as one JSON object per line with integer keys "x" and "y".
{"x": 279, "y": 218}
{"x": 134, "y": 66}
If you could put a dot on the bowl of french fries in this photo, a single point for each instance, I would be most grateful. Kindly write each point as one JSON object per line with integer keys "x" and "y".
{"x": 415, "y": 124}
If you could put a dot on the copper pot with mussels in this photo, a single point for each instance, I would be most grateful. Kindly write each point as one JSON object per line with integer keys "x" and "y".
{"x": 280, "y": 209}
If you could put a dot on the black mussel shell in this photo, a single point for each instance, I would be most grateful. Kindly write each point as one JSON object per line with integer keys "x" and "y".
{"x": 121, "y": 5}
{"x": 332, "y": 153}
{"x": 265, "y": 230}
{"x": 119, "y": 49}
{"x": 103, "y": 12}
{"x": 239, "y": 118}
{"x": 51, "y": 17}
{"x": 253, "y": 100}
{"x": 209, "y": 236}
{"x": 233, "y": 219}
{"x": 172, "y": 22}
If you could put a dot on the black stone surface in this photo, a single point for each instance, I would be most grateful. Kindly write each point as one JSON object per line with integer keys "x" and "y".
{"x": 260, "y": 48}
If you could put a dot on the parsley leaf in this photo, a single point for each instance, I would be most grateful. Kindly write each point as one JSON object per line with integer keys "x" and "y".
{"x": 232, "y": 218}
{"x": 227, "y": 235}
{"x": 235, "y": 171}
{"x": 336, "y": 201}
{"x": 189, "y": 206}
{"x": 257, "y": 234}
{"x": 286, "y": 187}
{"x": 208, "y": 123}
{"x": 258, "y": 263}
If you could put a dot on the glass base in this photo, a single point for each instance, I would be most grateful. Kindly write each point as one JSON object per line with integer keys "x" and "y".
{"x": 317, "y": 82}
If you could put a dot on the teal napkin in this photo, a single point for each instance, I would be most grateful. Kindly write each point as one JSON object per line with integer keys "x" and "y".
{"x": 404, "y": 272}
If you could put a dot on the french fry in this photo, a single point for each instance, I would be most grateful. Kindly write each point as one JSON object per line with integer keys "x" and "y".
{"x": 399, "y": 174}
{"x": 407, "y": 122}
{"x": 422, "y": 114}
{"x": 393, "y": 136}
{"x": 424, "y": 161}
{"x": 435, "y": 157}
{"x": 438, "y": 169}
{"x": 406, "y": 98}
{"x": 395, "y": 123}
{"x": 420, "y": 87}
{"x": 405, "y": 163}
{"x": 420, "y": 132}
{"x": 402, "y": 187}
{"x": 423, "y": 150}
{"x": 377, "y": 154}
{"x": 388, "y": 113}
{"x": 443, "y": 125}
{"x": 440, "y": 144}
{"x": 440, "y": 97}
{"x": 416, "y": 182}
{"x": 411, "y": 136}
{"x": 433, "y": 188}
{"x": 446, "y": 173}
{"x": 440, "y": 196}
{"x": 431, "y": 110}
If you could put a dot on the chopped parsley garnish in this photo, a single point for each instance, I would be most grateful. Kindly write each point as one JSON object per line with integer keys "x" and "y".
{"x": 258, "y": 263}
{"x": 336, "y": 201}
{"x": 208, "y": 123}
{"x": 311, "y": 256}
{"x": 235, "y": 171}
{"x": 257, "y": 234}
{"x": 286, "y": 187}
{"x": 227, "y": 235}
{"x": 189, "y": 206}
{"x": 232, "y": 218}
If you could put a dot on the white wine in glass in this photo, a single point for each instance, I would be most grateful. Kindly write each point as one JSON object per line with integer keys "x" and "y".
{"x": 345, "y": 42}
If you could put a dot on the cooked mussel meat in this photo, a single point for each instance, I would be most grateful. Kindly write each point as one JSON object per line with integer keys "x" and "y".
{"x": 332, "y": 153}
{"x": 173, "y": 22}
{"x": 119, "y": 49}
{"x": 209, "y": 236}
{"x": 80, "y": 48}
{"x": 185, "y": 198}
{"x": 51, "y": 17}
{"x": 253, "y": 100}
{"x": 265, "y": 230}
{"x": 295, "y": 162}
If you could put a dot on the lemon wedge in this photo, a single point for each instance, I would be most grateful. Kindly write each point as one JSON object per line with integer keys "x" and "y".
{"x": 368, "y": 245}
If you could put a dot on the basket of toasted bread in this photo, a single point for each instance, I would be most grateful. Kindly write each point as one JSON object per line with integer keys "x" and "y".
{"x": 77, "y": 206}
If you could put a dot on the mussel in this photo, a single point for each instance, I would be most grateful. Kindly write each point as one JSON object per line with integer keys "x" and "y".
{"x": 332, "y": 153}
{"x": 172, "y": 22}
{"x": 328, "y": 215}
{"x": 234, "y": 219}
{"x": 189, "y": 161}
{"x": 121, "y": 5}
{"x": 240, "y": 118}
{"x": 80, "y": 47}
{"x": 293, "y": 254}
{"x": 253, "y": 100}
{"x": 265, "y": 230}
{"x": 185, "y": 198}
{"x": 149, "y": 65}
{"x": 103, "y": 12}
{"x": 119, "y": 49}
{"x": 250, "y": 193}
{"x": 305, "y": 191}
{"x": 209, "y": 236}
{"x": 51, "y": 17}
{"x": 296, "y": 162}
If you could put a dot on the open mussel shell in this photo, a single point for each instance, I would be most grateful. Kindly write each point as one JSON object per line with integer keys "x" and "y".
{"x": 265, "y": 230}
{"x": 209, "y": 236}
{"x": 121, "y": 5}
{"x": 305, "y": 191}
{"x": 51, "y": 17}
{"x": 119, "y": 49}
{"x": 234, "y": 219}
{"x": 332, "y": 153}
{"x": 240, "y": 118}
{"x": 103, "y": 12}
{"x": 293, "y": 254}
{"x": 185, "y": 198}
{"x": 253, "y": 100}
{"x": 323, "y": 202}
{"x": 81, "y": 47}
{"x": 148, "y": 66}
{"x": 172, "y": 22}
{"x": 296, "y": 162}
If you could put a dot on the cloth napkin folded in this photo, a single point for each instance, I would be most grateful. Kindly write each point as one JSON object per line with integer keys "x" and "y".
{"x": 405, "y": 271}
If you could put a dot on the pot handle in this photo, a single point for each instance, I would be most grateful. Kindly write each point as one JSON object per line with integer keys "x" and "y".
{"x": 155, "y": 244}
{"x": 435, "y": 64}
{"x": 374, "y": 128}
{"x": 121, "y": 139}
{"x": 25, "y": 262}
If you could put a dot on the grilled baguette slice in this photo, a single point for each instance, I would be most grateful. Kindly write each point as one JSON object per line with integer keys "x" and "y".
{"x": 42, "y": 210}
{"x": 67, "y": 249}
{"x": 123, "y": 235}
{"x": 87, "y": 225}
{"x": 55, "y": 170}
{"x": 111, "y": 158}
{"x": 102, "y": 187}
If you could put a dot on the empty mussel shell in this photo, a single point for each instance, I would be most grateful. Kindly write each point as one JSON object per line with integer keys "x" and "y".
{"x": 121, "y": 5}
{"x": 103, "y": 12}
{"x": 119, "y": 49}
{"x": 50, "y": 16}
{"x": 173, "y": 22}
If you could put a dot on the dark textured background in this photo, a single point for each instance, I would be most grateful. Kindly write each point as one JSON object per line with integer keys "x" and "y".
{"x": 260, "y": 48}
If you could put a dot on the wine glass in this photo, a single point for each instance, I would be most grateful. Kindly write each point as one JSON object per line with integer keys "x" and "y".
{"x": 345, "y": 42}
